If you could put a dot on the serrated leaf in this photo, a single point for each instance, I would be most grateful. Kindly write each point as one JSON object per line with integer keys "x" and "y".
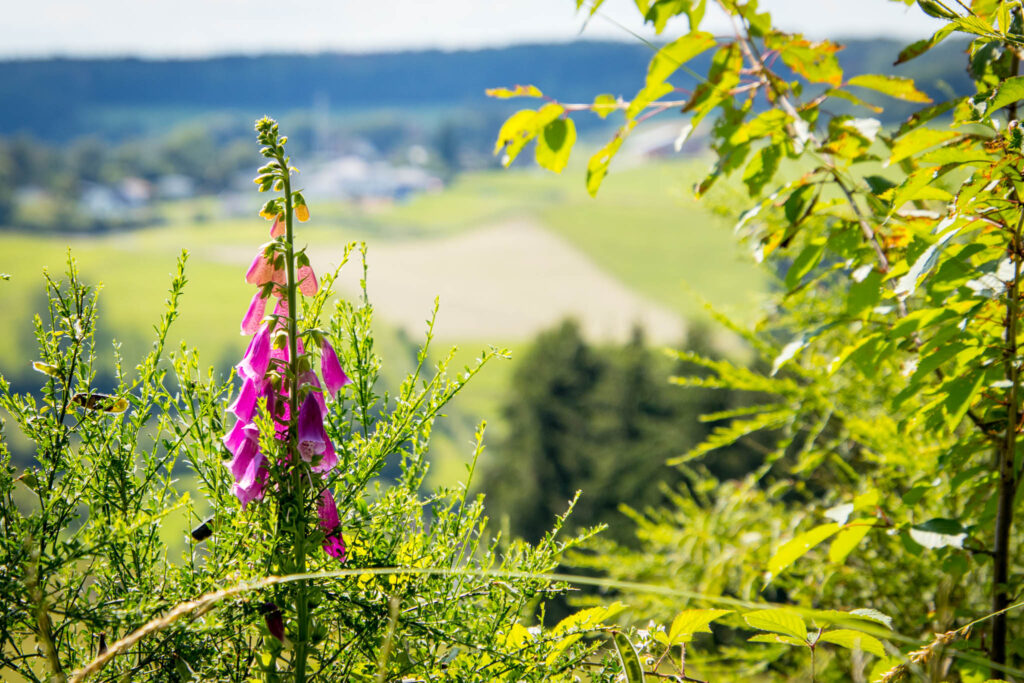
{"x": 783, "y": 621}
{"x": 918, "y": 48}
{"x": 554, "y": 144}
{"x": 814, "y": 61}
{"x": 845, "y": 542}
{"x": 873, "y": 615}
{"x": 691, "y": 621}
{"x": 893, "y": 86}
{"x": 628, "y": 658}
{"x": 854, "y": 640}
{"x": 776, "y": 638}
{"x": 670, "y": 57}
{"x": 917, "y": 141}
{"x": 797, "y": 547}
{"x": 1009, "y": 91}
{"x": 517, "y": 91}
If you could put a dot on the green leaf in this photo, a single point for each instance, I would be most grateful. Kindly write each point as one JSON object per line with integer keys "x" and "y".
{"x": 1009, "y": 91}
{"x": 693, "y": 621}
{"x": 854, "y": 640}
{"x": 518, "y": 91}
{"x": 939, "y": 533}
{"x": 873, "y": 615}
{"x": 893, "y": 86}
{"x": 629, "y": 659}
{"x": 797, "y": 547}
{"x": 906, "y": 285}
{"x": 916, "y": 141}
{"x": 675, "y": 54}
{"x": 597, "y": 167}
{"x": 594, "y": 5}
{"x": 805, "y": 261}
{"x": 776, "y": 638}
{"x": 846, "y": 540}
{"x": 960, "y": 393}
{"x": 814, "y": 61}
{"x": 604, "y": 105}
{"x": 918, "y": 48}
{"x": 761, "y": 168}
{"x": 770, "y": 122}
{"x": 517, "y": 130}
{"x": 864, "y": 294}
{"x": 663, "y": 10}
{"x": 554, "y": 144}
{"x": 783, "y": 621}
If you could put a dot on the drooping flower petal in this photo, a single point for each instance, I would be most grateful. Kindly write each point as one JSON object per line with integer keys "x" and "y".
{"x": 245, "y": 405}
{"x": 310, "y": 378}
{"x": 247, "y": 494}
{"x": 312, "y": 437}
{"x": 262, "y": 269}
{"x": 254, "y": 316}
{"x": 334, "y": 541}
{"x": 248, "y": 466}
{"x": 234, "y": 439}
{"x": 254, "y": 363}
{"x": 327, "y": 511}
{"x": 328, "y": 459}
{"x": 278, "y": 228}
{"x": 274, "y": 620}
{"x": 307, "y": 280}
{"x": 334, "y": 377}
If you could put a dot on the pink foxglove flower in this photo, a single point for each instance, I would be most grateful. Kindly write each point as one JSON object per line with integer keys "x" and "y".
{"x": 254, "y": 363}
{"x": 245, "y": 405}
{"x": 254, "y": 316}
{"x": 312, "y": 437}
{"x": 307, "y": 280}
{"x": 248, "y": 466}
{"x": 334, "y": 377}
{"x": 278, "y": 228}
{"x": 309, "y": 378}
{"x": 334, "y": 542}
{"x": 261, "y": 271}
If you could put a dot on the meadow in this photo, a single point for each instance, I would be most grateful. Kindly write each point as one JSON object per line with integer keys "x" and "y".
{"x": 509, "y": 252}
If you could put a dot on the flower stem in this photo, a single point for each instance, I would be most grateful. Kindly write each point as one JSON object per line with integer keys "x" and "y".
{"x": 298, "y": 481}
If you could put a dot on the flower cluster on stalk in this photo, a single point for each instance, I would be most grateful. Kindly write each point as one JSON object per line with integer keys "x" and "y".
{"x": 268, "y": 373}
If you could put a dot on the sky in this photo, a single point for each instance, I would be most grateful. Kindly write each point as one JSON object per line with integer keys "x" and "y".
{"x": 189, "y": 28}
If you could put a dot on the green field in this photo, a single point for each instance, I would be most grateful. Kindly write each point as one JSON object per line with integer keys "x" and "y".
{"x": 644, "y": 229}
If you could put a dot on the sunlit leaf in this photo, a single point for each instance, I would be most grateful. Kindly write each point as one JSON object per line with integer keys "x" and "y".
{"x": 782, "y": 621}
{"x": 604, "y": 105}
{"x": 554, "y": 143}
{"x": 691, "y": 621}
{"x": 893, "y": 86}
{"x": 846, "y": 540}
{"x": 797, "y": 547}
{"x": 517, "y": 91}
{"x": 675, "y": 54}
{"x": 916, "y": 141}
{"x": 854, "y": 640}
{"x": 776, "y": 638}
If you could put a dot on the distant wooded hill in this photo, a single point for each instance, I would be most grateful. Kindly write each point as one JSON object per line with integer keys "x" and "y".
{"x": 61, "y": 98}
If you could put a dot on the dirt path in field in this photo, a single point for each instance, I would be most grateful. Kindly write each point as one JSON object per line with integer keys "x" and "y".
{"x": 504, "y": 282}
